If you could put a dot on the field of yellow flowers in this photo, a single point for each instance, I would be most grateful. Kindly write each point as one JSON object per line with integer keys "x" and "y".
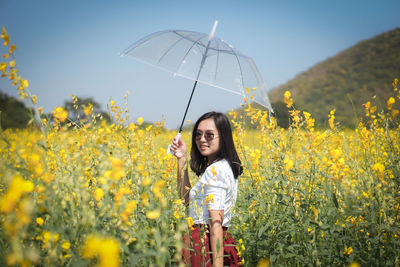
{"x": 92, "y": 193}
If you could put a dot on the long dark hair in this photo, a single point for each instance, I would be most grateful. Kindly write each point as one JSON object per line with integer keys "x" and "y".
{"x": 198, "y": 163}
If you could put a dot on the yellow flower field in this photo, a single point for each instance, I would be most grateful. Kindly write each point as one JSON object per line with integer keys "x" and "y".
{"x": 105, "y": 194}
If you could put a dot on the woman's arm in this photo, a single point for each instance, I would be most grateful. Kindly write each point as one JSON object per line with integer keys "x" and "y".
{"x": 183, "y": 182}
{"x": 180, "y": 151}
{"x": 216, "y": 236}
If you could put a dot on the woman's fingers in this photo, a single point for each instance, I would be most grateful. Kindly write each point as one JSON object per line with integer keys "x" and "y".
{"x": 174, "y": 142}
{"x": 177, "y": 146}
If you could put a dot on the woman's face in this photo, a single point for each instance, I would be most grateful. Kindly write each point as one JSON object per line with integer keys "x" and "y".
{"x": 207, "y": 139}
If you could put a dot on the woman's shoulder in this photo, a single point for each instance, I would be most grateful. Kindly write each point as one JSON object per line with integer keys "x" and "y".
{"x": 221, "y": 165}
{"x": 218, "y": 172}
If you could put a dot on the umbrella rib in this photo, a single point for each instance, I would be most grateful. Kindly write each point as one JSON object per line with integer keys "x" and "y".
{"x": 183, "y": 59}
{"x": 216, "y": 65}
{"x": 267, "y": 103}
{"x": 240, "y": 68}
{"x": 141, "y": 41}
{"x": 194, "y": 41}
{"x": 169, "y": 49}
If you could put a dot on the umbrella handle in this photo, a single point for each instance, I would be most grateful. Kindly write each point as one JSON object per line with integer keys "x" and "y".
{"x": 177, "y": 137}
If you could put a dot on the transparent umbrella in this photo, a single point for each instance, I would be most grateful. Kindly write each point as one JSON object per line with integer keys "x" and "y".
{"x": 202, "y": 58}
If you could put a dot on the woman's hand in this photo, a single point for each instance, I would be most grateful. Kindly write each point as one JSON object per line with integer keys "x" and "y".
{"x": 179, "y": 148}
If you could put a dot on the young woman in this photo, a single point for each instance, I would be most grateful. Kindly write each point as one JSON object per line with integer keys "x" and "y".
{"x": 211, "y": 200}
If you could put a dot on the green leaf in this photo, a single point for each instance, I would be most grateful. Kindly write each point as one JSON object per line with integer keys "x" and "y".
{"x": 335, "y": 200}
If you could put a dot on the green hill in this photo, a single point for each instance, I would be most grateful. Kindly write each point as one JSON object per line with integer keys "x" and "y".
{"x": 347, "y": 80}
{"x": 13, "y": 113}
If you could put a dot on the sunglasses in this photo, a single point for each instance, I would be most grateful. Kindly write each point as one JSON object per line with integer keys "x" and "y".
{"x": 209, "y": 136}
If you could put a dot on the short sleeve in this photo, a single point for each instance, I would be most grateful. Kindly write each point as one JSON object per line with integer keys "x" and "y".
{"x": 215, "y": 187}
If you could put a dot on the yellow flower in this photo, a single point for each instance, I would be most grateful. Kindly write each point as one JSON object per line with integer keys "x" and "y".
{"x": 46, "y": 236}
{"x": 153, "y": 215}
{"x": 17, "y": 187}
{"x": 177, "y": 215}
{"x": 106, "y": 249}
{"x": 130, "y": 207}
{"x": 145, "y": 198}
{"x": 378, "y": 167}
{"x": 66, "y": 245}
{"x": 34, "y": 99}
{"x": 117, "y": 171}
{"x": 146, "y": 180}
{"x": 157, "y": 188}
{"x": 3, "y": 67}
{"x": 395, "y": 112}
{"x": 347, "y": 250}
{"x": 336, "y": 153}
{"x": 263, "y": 263}
{"x": 288, "y": 163}
{"x": 390, "y": 103}
{"x": 214, "y": 173}
{"x": 140, "y": 120}
{"x": 87, "y": 110}
{"x": 295, "y": 115}
{"x": 395, "y": 82}
{"x": 39, "y": 221}
{"x": 5, "y": 37}
{"x": 209, "y": 198}
{"x": 332, "y": 119}
{"x": 99, "y": 193}
{"x": 132, "y": 126}
{"x": 189, "y": 221}
{"x": 178, "y": 202}
{"x": 60, "y": 114}
{"x": 286, "y": 98}
{"x": 23, "y": 84}
{"x": 12, "y": 48}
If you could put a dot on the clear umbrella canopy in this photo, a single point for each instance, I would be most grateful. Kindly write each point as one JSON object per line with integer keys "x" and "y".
{"x": 200, "y": 57}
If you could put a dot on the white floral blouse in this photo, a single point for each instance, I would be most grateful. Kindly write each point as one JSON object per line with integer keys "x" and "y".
{"x": 216, "y": 190}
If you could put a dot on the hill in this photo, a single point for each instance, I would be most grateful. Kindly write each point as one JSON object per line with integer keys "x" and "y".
{"x": 13, "y": 113}
{"x": 347, "y": 80}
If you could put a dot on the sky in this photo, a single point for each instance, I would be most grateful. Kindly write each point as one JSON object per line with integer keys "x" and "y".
{"x": 73, "y": 47}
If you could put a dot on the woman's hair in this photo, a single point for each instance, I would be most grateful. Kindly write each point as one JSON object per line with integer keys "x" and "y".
{"x": 198, "y": 162}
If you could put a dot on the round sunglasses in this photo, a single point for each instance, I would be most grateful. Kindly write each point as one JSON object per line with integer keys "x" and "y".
{"x": 209, "y": 136}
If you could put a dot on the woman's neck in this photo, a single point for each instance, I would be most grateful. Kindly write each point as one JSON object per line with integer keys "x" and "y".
{"x": 211, "y": 160}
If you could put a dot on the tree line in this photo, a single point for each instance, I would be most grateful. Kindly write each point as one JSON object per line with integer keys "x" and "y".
{"x": 15, "y": 114}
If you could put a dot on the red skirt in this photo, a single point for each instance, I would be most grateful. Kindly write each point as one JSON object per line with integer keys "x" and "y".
{"x": 196, "y": 248}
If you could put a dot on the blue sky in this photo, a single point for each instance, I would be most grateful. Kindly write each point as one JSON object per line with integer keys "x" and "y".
{"x": 72, "y": 47}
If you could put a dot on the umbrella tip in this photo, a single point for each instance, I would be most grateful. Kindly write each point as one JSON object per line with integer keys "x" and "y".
{"x": 213, "y": 30}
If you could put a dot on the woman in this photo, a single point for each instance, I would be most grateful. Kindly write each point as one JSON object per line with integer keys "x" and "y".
{"x": 211, "y": 200}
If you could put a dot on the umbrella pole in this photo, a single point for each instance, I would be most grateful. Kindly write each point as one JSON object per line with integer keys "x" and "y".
{"x": 187, "y": 107}
{"x": 198, "y": 74}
